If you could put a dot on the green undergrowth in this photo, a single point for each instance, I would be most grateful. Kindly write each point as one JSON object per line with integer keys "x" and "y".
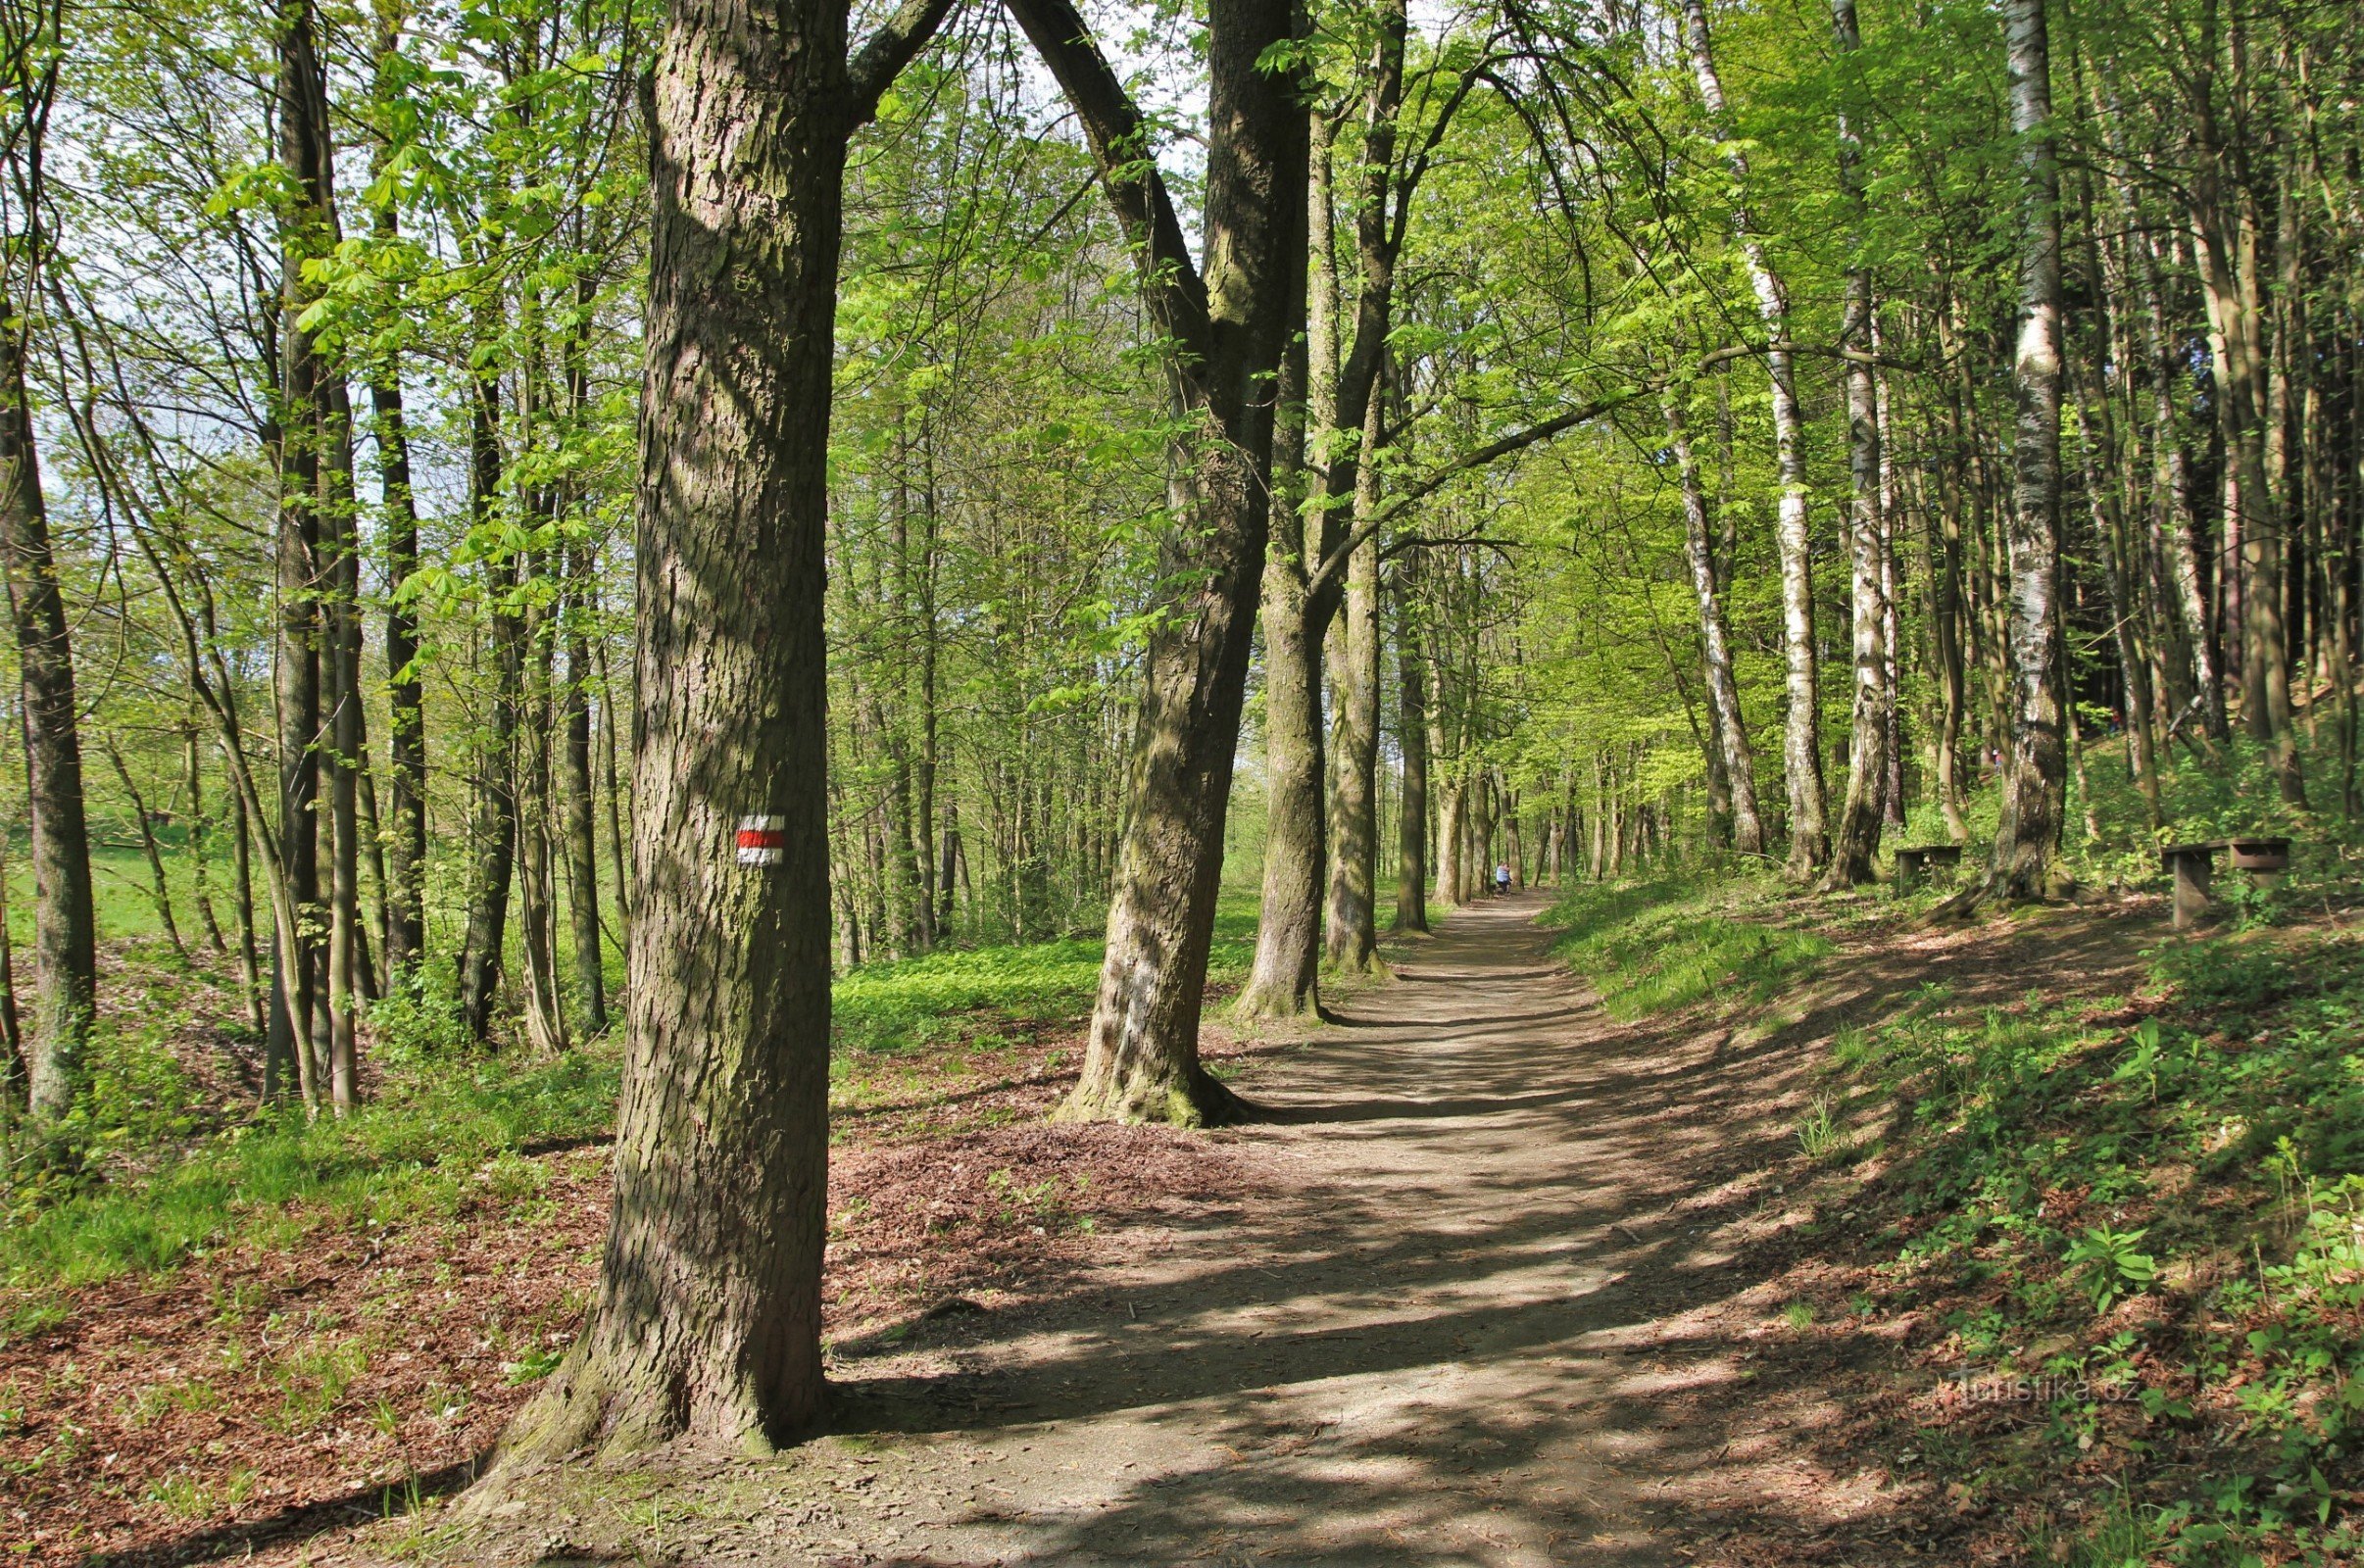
{"x": 959, "y": 994}
{"x": 146, "y": 1174}
{"x": 407, "y": 1155}
{"x": 2202, "y": 796}
{"x": 2153, "y": 1217}
{"x": 1655, "y": 945}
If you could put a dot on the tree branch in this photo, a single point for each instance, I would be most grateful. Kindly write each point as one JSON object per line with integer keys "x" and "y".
{"x": 874, "y": 65}
{"x": 1128, "y": 168}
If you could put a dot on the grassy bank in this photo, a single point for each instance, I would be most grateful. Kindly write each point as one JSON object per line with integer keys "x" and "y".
{"x": 1672, "y": 940}
{"x": 159, "y": 1171}
{"x": 2152, "y": 1215}
{"x": 2140, "y": 1218}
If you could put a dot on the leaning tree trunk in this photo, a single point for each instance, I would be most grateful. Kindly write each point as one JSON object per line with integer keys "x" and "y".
{"x": 65, "y": 924}
{"x": 2035, "y": 763}
{"x": 708, "y": 1319}
{"x": 1231, "y": 328}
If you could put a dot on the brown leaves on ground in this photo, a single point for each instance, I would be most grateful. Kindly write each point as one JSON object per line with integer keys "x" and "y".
{"x": 268, "y": 1391}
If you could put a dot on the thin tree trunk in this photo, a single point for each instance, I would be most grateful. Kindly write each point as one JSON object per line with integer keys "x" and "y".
{"x": 1862, "y": 813}
{"x": 2035, "y": 781}
{"x": 582, "y": 849}
{"x": 1411, "y": 738}
{"x": 195, "y": 841}
{"x": 1715, "y": 643}
{"x": 160, "y": 896}
{"x": 1351, "y": 937}
{"x": 65, "y": 918}
{"x": 344, "y": 724}
{"x": 492, "y": 839}
{"x": 242, "y": 905}
{"x": 1801, "y": 737}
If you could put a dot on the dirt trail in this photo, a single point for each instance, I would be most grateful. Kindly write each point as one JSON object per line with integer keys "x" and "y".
{"x": 1510, "y": 1292}
{"x": 1439, "y": 1338}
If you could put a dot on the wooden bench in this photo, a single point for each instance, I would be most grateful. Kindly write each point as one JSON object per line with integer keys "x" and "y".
{"x": 2194, "y": 866}
{"x": 1913, "y": 864}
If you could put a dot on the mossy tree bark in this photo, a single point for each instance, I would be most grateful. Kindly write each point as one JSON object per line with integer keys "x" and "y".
{"x": 65, "y": 931}
{"x": 1229, "y": 328}
{"x": 708, "y": 1320}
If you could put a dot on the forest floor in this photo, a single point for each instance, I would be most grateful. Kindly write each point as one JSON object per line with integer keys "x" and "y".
{"x": 1498, "y": 1279}
{"x": 1503, "y": 1282}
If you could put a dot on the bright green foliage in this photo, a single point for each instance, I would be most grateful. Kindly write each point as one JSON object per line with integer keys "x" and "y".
{"x": 406, "y": 1155}
{"x": 2208, "y": 1157}
{"x": 1649, "y": 947}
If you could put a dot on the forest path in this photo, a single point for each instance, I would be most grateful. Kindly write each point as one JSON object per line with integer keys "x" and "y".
{"x": 1438, "y": 1335}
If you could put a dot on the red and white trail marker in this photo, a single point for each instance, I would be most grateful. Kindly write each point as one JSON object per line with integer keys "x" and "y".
{"x": 762, "y": 840}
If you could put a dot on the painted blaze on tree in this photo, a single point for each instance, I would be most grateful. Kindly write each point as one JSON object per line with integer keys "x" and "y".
{"x": 708, "y": 1320}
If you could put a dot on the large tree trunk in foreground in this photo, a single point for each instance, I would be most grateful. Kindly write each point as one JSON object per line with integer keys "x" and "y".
{"x": 1142, "y": 1062}
{"x": 708, "y": 1319}
{"x": 65, "y": 929}
{"x": 2035, "y": 763}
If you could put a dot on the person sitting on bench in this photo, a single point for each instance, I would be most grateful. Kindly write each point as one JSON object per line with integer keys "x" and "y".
{"x": 1502, "y": 881}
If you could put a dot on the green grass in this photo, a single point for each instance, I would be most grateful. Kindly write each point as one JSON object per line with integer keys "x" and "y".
{"x": 2200, "y": 797}
{"x": 910, "y": 1003}
{"x": 1653, "y": 946}
{"x": 153, "y": 1187}
{"x": 2173, "y": 1207}
{"x": 409, "y": 1154}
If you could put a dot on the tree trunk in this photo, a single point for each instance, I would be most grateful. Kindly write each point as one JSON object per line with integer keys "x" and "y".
{"x": 1411, "y": 738}
{"x": 199, "y": 850}
{"x": 708, "y": 1319}
{"x": 1230, "y": 329}
{"x": 1352, "y": 939}
{"x": 2034, "y": 782}
{"x": 1863, "y": 810}
{"x": 405, "y": 727}
{"x": 304, "y": 154}
{"x": 342, "y": 625}
{"x": 65, "y": 920}
{"x": 1723, "y": 690}
{"x": 1802, "y": 737}
{"x": 492, "y": 839}
{"x": 1285, "y": 980}
{"x": 582, "y": 847}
